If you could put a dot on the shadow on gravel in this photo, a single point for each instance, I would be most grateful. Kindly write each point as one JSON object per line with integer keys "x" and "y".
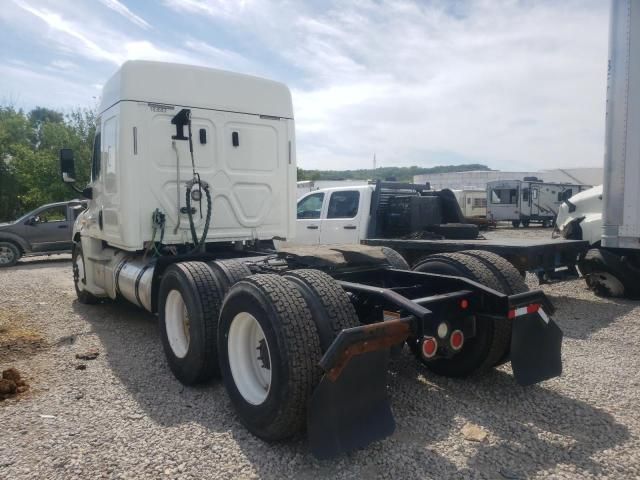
{"x": 579, "y": 318}
{"x": 532, "y": 429}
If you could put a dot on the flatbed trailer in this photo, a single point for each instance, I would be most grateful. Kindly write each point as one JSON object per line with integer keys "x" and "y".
{"x": 543, "y": 257}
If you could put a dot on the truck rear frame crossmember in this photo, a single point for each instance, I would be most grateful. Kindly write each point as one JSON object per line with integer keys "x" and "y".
{"x": 414, "y": 306}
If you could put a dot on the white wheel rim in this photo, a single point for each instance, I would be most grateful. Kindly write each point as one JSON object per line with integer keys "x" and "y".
{"x": 247, "y": 346}
{"x": 176, "y": 320}
{"x": 6, "y": 255}
{"x": 80, "y": 265}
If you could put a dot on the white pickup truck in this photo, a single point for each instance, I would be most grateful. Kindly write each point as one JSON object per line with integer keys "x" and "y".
{"x": 416, "y": 222}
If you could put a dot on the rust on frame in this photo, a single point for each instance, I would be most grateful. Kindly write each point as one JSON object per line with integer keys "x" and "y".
{"x": 377, "y": 336}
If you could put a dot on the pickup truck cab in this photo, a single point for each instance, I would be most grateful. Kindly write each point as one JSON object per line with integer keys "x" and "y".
{"x": 416, "y": 222}
{"x": 43, "y": 231}
{"x": 333, "y": 215}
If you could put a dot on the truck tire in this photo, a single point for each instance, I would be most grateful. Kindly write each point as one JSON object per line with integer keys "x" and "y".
{"x": 80, "y": 277}
{"x": 395, "y": 259}
{"x": 229, "y": 272}
{"x": 9, "y": 254}
{"x": 508, "y": 276}
{"x": 608, "y": 275}
{"x": 493, "y": 336}
{"x": 269, "y": 351}
{"x": 330, "y": 307}
{"x": 189, "y": 302}
{"x": 515, "y": 223}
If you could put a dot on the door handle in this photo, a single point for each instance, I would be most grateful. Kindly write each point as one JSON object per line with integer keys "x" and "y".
{"x": 63, "y": 226}
{"x": 349, "y": 227}
{"x": 312, "y": 227}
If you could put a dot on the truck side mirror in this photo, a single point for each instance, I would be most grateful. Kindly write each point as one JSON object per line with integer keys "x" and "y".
{"x": 67, "y": 166}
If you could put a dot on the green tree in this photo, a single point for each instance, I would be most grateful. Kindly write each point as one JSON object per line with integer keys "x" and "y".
{"x": 29, "y": 149}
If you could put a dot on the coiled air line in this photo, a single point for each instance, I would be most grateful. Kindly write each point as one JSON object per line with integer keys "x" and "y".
{"x": 180, "y": 120}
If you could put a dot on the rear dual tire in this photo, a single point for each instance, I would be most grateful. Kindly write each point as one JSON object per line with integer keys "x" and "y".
{"x": 490, "y": 346}
{"x": 190, "y": 300}
{"x": 297, "y": 316}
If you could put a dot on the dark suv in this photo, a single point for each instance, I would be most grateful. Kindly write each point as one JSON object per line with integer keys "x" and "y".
{"x": 44, "y": 231}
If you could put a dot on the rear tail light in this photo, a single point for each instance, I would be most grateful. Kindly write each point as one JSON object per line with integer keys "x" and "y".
{"x": 429, "y": 347}
{"x": 456, "y": 340}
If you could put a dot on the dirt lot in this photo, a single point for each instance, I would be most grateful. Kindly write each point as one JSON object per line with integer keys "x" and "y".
{"x": 125, "y": 416}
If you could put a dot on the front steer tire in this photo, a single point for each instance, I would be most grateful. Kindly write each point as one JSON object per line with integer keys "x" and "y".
{"x": 80, "y": 277}
{"x": 293, "y": 347}
{"x": 493, "y": 336}
{"x": 192, "y": 353}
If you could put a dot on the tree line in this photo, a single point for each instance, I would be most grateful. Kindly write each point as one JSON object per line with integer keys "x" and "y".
{"x": 400, "y": 174}
{"x": 29, "y": 150}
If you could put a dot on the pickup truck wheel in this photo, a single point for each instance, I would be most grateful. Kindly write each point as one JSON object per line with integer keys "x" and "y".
{"x": 9, "y": 254}
{"x": 395, "y": 259}
{"x": 330, "y": 307}
{"x": 80, "y": 277}
{"x": 269, "y": 350}
{"x": 509, "y": 277}
{"x": 229, "y": 272}
{"x": 493, "y": 336}
{"x": 189, "y": 301}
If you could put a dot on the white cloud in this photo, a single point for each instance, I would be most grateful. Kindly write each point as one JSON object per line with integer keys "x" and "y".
{"x": 514, "y": 84}
{"x": 118, "y": 7}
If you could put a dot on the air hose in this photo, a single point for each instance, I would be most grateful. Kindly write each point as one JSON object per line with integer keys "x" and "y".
{"x": 202, "y": 185}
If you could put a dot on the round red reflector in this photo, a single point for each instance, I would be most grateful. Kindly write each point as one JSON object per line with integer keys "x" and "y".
{"x": 456, "y": 340}
{"x": 464, "y": 304}
{"x": 429, "y": 347}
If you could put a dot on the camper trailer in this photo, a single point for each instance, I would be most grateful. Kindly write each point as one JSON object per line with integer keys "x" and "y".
{"x": 472, "y": 201}
{"x": 526, "y": 201}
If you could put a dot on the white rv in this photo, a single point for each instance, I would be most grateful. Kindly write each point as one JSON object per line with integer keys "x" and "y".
{"x": 473, "y": 202}
{"x": 528, "y": 200}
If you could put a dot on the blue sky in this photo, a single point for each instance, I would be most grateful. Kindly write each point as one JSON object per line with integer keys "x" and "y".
{"x": 517, "y": 85}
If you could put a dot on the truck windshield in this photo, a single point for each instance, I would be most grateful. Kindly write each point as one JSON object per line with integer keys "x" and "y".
{"x": 504, "y": 195}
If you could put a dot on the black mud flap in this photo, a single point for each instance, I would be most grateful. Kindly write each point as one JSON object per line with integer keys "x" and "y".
{"x": 352, "y": 411}
{"x": 536, "y": 345}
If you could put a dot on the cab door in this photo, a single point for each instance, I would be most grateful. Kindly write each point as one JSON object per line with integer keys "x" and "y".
{"x": 341, "y": 222}
{"x": 308, "y": 220}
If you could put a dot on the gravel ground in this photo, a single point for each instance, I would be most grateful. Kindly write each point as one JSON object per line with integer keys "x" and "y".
{"x": 125, "y": 416}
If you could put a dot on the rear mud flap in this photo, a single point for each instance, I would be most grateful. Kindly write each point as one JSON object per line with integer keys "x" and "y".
{"x": 536, "y": 345}
{"x": 353, "y": 410}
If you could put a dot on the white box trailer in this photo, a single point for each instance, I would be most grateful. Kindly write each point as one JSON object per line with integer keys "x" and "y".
{"x": 609, "y": 216}
{"x": 526, "y": 201}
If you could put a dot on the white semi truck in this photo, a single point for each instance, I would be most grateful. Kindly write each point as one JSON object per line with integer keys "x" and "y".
{"x": 608, "y": 216}
{"x": 193, "y": 170}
